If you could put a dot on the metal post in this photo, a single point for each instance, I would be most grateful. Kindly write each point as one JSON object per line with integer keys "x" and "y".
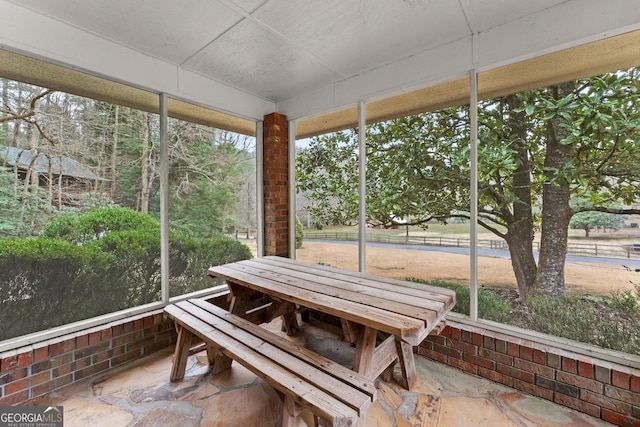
{"x": 362, "y": 187}
{"x": 164, "y": 199}
{"x": 473, "y": 250}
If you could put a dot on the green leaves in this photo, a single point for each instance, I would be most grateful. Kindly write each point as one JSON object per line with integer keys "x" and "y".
{"x": 418, "y": 166}
{"x": 99, "y": 262}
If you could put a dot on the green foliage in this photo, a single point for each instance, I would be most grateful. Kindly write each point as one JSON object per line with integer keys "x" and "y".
{"x": 46, "y": 283}
{"x": 587, "y": 219}
{"x": 201, "y": 212}
{"x": 207, "y": 173}
{"x": 327, "y": 171}
{"x": 9, "y": 205}
{"x": 99, "y": 262}
{"x": 613, "y": 322}
{"x": 627, "y": 303}
{"x": 490, "y": 305}
{"x": 202, "y": 254}
{"x": 93, "y": 224}
{"x": 578, "y": 138}
{"x": 592, "y": 220}
{"x": 588, "y": 321}
{"x": 299, "y": 233}
{"x": 21, "y": 213}
{"x": 134, "y": 265}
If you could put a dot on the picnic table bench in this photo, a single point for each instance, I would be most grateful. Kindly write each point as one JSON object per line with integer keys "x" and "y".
{"x": 337, "y": 396}
{"x": 383, "y": 317}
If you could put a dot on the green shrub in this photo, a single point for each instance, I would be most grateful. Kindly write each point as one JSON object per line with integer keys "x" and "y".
{"x": 202, "y": 254}
{"x": 134, "y": 266}
{"x": 102, "y": 261}
{"x": 625, "y": 302}
{"x": 490, "y": 305}
{"x": 94, "y": 224}
{"x": 588, "y": 321}
{"x": 46, "y": 283}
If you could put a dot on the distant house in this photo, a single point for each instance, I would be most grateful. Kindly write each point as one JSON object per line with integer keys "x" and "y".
{"x": 70, "y": 178}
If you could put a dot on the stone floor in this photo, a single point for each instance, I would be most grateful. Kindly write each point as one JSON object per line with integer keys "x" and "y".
{"x": 141, "y": 395}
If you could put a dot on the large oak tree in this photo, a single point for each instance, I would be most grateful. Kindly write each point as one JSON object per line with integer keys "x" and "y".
{"x": 537, "y": 150}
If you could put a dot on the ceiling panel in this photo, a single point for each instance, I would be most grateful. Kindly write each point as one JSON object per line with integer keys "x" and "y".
{"x": 250, "y": 57}
{"x": 167, "y": 29}
{"x": 282, "y": 49}
{"x": 353, "y": 36}
{"x": 493, "y": 13}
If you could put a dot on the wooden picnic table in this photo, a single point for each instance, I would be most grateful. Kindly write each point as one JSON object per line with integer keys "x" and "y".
{"x": 384, "y": 317}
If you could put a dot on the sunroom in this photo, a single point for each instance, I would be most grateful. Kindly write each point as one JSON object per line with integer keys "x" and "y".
{"x": 216, "y": 129}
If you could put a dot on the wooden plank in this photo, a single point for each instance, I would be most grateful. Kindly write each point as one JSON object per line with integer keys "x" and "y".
{"x": 266, "y": 281}
{"x": 277, "y": 309}
{"x": 241, "y": 298}
{"x": 439, "y": 322}
{"x": 350, "y": 330}
{"x": 181, "y": 354}
{"x": 198, "y": 348}
{"x": 386, "y": 299}
{"x": 365, "y": 347}
{"x": 421, "y": 292}
{"x": 218, "y": 361}
{"x": 434, "y": 293}
{"x": 407, "y": 364}
{"x": 437, "y": 330}
{"x": 291, "y": 413}
{"x": 407, "y": 328}
{"x": 384, "y": 355}
{"x": 290, "y": 324}
{"x": 324, "y": 379}
{"x": 284, "y": 267}
{"x": 327, "y": 366}
{"x": 304, "y": 393}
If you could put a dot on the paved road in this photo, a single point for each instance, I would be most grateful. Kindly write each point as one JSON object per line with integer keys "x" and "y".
{"x": 496, "y": 253}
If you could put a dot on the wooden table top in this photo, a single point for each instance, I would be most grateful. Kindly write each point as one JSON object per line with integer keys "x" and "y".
{"x": 407, "y": 310}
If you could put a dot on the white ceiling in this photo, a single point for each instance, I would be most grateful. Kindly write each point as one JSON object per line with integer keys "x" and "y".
{"x": 278, "y": 50}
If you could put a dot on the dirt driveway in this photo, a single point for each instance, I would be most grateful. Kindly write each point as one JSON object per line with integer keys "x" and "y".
{"x": 581, "y": 278}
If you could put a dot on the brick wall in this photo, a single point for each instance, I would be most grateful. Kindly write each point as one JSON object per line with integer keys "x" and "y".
{"x": 35, "y": 370}
{"x": 276, "y": 185}
{"x": 599, "y": 388}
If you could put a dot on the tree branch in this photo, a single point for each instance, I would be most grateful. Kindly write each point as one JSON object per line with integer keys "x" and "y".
{"x": 617, "y": 211}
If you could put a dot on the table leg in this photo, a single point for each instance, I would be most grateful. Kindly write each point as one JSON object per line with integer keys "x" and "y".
{"x": 407, "y": 363}
{"x": 181, "y": 353}
{"x": 291, "y": 412}
{"x": 350, "y": 330}
{"x": 365, "y": 348}
{"x": 290, "y": 323}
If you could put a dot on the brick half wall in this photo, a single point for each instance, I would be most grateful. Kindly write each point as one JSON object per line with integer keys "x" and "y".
{"x": 601, "y": 389}
{"x": 35, "y": 370}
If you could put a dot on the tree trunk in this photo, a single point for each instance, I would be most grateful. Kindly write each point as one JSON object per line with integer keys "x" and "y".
{"x": 145, "y": 182}
{"x": 5, "y": 104}
{"x": 114, "y": 153}
{"x": 520, "y": 234}
{"x": 556, "y": 212}
{"x": 60, "y": 183}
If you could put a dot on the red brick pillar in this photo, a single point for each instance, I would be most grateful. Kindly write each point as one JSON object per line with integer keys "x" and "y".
{"x": 276, "y": 185}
